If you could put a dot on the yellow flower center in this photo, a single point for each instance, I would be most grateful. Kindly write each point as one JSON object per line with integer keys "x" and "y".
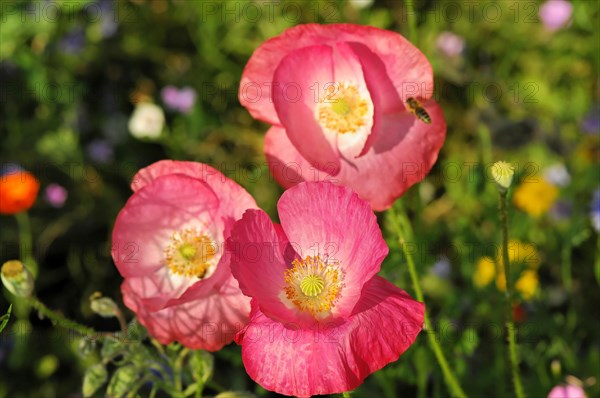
{"x": 313, "y": 285}
{"x": 12, "y": 268}
{"x": 189, "y": 253}
{"x": 342, "y": 109}
{"x": 187, "y": 250}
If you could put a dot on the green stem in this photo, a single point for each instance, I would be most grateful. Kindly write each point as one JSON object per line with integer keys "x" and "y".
{"x": 214, "y": 385}
{"x": 346, "y": 394}
{"x": 63, "y": 322}
{"x": 122, "y": 321}
{"x": 26, "y": 242}
{"x": 405, "y": 234}
{"x": 566, "y": 266}
{"x": 177, "y": 368}
{"x": 510, "y": 326}
{"x": 597, "y": 265}
{"x": 412, "y": 20}
{"x": 486, "y": 156}
{"x": 158, "y": 346}
{"x": 486, "y": 145}
{"x": 133, "y": 392}
{"x": 201, "y": 379}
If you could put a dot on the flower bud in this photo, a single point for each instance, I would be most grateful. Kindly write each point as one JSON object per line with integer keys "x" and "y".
{"x": 103, "y": 306}
{"x": 555, "y": 367}
{"x": 503, "y": 174}
{"x": 86, "y": 346}
{"x": 16, "y": 278}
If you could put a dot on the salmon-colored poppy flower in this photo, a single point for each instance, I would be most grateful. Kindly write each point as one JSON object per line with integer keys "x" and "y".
{"x": 321, "y": 319}
{"x": 168, "y": 245}
{"x": 342, "y": 100}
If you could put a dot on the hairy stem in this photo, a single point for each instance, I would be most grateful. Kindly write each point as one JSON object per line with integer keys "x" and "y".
{"x": 59, "y": 320}
{"x": 177, "y": 368}
{"x": 26, "y": 242}
{"x": 412, "y": 20}
{"x": 510, "y": 326}
{"x": 405, "y": 234}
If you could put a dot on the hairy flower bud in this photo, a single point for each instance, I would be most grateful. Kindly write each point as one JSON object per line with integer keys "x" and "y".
{"x": 103, "y": 306}
{"x": 16, "y": 278}
{"x": 503, "y": 174}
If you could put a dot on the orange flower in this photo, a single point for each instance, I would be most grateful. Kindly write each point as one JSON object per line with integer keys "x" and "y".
{"x": 18, "y": 191}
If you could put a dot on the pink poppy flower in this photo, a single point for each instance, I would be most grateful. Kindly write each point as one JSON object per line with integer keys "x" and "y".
{"x": 336, "y": 96}
{"x": 168, "y": 245}
{"x": 321, "y": 319}
{"x": 567, "y": 391}
{"x": 555, "y": 14}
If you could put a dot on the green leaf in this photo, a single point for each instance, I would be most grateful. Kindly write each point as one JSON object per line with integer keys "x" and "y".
{"x": 122, "y": 381}
{"x": 4, "y": 318}
{"x": 135, "y": 331}
{"x": 60, "y": 146}
{"x": 112, "y": 348}
{"x": 93, "y": 379}
{"x": 86, "y": 346}
{"x": 469, "y": 341}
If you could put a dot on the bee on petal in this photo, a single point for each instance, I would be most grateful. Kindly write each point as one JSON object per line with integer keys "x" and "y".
{"x": 417, "y": 109}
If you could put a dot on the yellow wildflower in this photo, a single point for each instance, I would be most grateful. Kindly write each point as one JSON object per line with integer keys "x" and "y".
{"x": 527, "y": 284}
{"x": 501, "y": 281}
{"x": 522, "y": 256}
{"x": 484, "y": 272}
{"x": 520, "y": 253}
{"x": 535, "y": 197}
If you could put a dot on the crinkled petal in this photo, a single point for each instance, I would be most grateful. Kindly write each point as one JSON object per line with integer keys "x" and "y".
{"x": 386, "y": 102}
{"x": 403, "y": 157}
{"x": 259, "y": 258}
{"x": 208, "y": 323}
{"x": 296, "y": 98}
{"x": 144, "y": 227}
{"x": 406, "y": 66}
{"x": 349, "y": 71}
{"x": 304, "y": 362}
{"x": 333, "y": 222}
{"x": 234, "y": 199}
{"x": 287, "y": 164}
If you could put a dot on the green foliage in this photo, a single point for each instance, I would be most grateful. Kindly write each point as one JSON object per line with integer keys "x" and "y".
{"x": 94, "y": 378}
{"x": 5, "y": 318}
{"x": 517, "y": 92}
{"x": 122, "y": 381}
{"x": 202, "y": 366}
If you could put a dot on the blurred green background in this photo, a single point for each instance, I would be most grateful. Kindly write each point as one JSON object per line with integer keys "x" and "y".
{"x": 511, "y": 86}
